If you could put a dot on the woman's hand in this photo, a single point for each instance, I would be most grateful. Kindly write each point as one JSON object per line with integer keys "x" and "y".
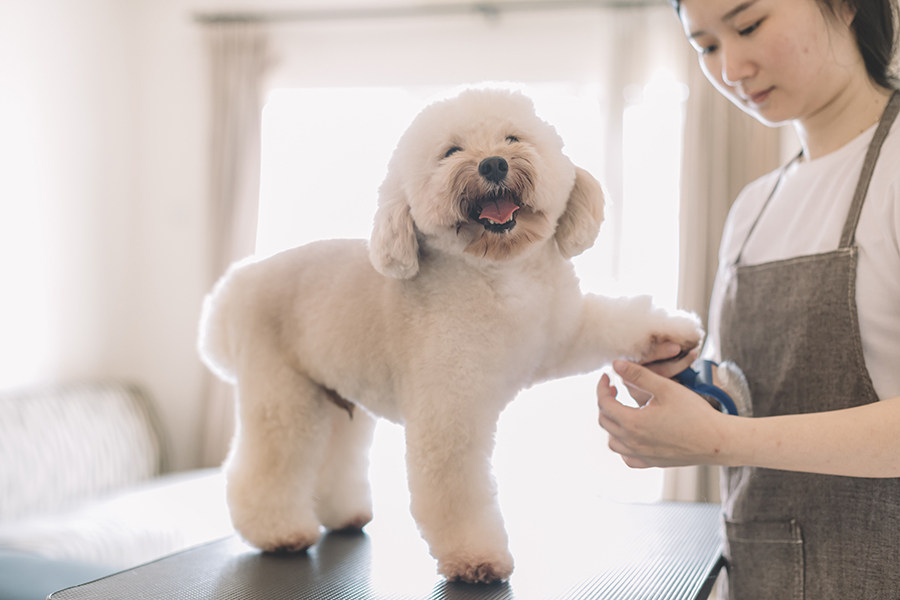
{"x": 677, "y": 427}
{"x": 672, "y": 427}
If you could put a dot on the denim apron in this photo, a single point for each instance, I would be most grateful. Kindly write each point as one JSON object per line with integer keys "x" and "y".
{"x": 791, "y": 326}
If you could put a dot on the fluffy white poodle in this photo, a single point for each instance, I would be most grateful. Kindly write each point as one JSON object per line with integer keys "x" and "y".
{"x": 464, "y": 296}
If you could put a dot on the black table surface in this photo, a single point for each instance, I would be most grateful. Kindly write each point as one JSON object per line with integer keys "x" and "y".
{"x": 654, "y": 551}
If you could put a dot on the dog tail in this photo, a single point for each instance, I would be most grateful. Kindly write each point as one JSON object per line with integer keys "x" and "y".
{"x": 214, "y": 339}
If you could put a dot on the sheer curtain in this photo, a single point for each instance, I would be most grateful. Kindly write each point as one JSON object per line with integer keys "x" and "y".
{"x": 724, "y": 149}
{"x": 238, "y": 59}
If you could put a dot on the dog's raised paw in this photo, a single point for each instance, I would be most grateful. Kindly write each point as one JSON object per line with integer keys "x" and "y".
{"x": 681, "y": 328}
{"x": 684, "y": 329}
{"x": 476, "y": 571}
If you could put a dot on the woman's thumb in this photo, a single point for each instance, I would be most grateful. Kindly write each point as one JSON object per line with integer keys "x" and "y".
{"x": 638, "y": 376}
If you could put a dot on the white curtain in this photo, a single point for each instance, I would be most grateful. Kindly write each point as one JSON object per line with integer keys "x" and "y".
{"x": 642, "y": 42}
{"x": 239, "y": 58}
{"x": 724, "y": 150}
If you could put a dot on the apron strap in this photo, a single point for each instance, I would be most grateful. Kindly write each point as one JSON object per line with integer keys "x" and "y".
{"x": 884, "y": 126}
{"x": 849, "y": 233}
{"x": 784, "y": 169}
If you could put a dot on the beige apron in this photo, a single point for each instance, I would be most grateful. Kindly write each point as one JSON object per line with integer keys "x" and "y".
{"x": 791, "y": 325}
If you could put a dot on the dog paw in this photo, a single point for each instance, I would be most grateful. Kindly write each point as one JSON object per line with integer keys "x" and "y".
{"x": 281, "y": 542}
{"x": 682, "y": 328}
{"x": 290, "y": 543}
{"x": 472, "y": 568}
{"x": 344, "y": 512}
{"x": 269, "y": 533}
{"x": 350, "y": 525}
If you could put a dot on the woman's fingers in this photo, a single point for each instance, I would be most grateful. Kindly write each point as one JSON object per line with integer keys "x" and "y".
{"x": 608, "y": 403}
{"x": 662, "y": 432}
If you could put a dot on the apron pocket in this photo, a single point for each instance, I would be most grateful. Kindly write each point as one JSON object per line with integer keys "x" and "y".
{"x": 765, "y": 560}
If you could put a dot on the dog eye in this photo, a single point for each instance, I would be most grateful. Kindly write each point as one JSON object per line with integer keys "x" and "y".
{"x": 512, "y": 139}
{"x": 453, "y": 150}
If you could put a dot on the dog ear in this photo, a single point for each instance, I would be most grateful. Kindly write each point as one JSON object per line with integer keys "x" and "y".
{"x": 579, "y": 225}
{"x": 393, "y": 248}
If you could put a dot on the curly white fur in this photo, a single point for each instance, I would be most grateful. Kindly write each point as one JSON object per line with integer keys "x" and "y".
{"x": 437, "y": 324}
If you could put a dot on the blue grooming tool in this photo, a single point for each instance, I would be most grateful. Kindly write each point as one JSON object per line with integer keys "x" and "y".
{"x": 701, "y": 382}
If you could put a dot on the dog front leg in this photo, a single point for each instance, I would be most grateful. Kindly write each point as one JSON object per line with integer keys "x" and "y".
{"x": 626, "y": 327}
{"x": 453, "y": 493}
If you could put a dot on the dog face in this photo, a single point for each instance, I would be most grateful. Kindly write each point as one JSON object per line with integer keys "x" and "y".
{"x": 480, "y": 174}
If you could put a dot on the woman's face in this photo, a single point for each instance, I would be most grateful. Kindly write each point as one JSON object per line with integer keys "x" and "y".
{"x": 778, "y": 60}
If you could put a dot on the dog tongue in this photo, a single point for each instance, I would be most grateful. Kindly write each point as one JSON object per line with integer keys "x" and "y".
{"x": 499, "y": 211}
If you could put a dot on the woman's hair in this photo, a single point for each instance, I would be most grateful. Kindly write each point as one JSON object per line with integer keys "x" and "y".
{"x": 874, "y": 29}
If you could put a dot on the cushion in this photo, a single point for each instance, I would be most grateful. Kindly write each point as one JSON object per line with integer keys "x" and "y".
{"x": 62, "y": 444}
{"x": 132, "y": 526}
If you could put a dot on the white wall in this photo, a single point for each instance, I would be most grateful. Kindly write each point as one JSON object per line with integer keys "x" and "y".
{"x": 66, "y": 197}
{"x": 169, "y": 236}
{"x": 102, "y": 191}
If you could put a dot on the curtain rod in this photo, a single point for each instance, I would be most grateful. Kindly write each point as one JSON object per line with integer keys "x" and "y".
{"x": 487, "y": 9}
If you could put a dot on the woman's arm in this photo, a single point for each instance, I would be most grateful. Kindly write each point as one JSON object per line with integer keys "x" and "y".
{"x": 677, "y": 427}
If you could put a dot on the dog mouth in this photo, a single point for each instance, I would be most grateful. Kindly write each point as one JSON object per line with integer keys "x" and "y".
{"x": 495, "y": 213}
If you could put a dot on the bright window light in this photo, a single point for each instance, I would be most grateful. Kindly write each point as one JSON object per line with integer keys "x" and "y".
{"x": 324, "y": 154}
{"x": 652, "y": 139}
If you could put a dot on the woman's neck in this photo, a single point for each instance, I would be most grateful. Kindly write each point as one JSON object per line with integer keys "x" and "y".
{"x": 840, "y": 120}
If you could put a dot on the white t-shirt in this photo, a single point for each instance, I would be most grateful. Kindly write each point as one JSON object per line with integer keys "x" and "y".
{"x": 806, "y": 216}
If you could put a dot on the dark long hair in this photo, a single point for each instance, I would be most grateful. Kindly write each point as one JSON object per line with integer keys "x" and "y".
{"x": 875, "y": 32}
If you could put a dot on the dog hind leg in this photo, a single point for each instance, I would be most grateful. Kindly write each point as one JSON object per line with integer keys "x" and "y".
{"x": 343, "y": 494}
{"x": 275, "y": 455}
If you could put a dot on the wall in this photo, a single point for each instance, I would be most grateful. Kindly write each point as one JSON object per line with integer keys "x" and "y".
{"x": 170, "y": 257}
{"x": 102, "y": 143}
{"x": 66, "y": 198}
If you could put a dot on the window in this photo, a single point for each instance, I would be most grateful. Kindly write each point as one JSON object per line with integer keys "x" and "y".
{"x": 652, "y": 124}
{"x": 324, "y": 154}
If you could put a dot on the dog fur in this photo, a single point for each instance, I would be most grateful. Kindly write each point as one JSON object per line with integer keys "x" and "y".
{"x": 437, "y": 323}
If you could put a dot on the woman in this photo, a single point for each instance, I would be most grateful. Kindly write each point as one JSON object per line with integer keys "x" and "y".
{"x": 806, "y": 302}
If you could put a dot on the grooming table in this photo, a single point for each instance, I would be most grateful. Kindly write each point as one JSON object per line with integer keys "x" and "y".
{"x": 626, "y": 552}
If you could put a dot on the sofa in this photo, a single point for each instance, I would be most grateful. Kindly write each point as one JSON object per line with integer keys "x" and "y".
{"x": 85, "y": 492}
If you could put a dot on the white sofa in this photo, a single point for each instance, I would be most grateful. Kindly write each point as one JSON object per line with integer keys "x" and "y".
{"x": 83, "y": 489}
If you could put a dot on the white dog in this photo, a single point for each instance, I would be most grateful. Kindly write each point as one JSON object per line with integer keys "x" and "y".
{"x": 464, "y": 296}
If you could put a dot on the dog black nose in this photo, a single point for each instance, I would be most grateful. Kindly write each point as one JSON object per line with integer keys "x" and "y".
{"x": 494, "y": 168}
